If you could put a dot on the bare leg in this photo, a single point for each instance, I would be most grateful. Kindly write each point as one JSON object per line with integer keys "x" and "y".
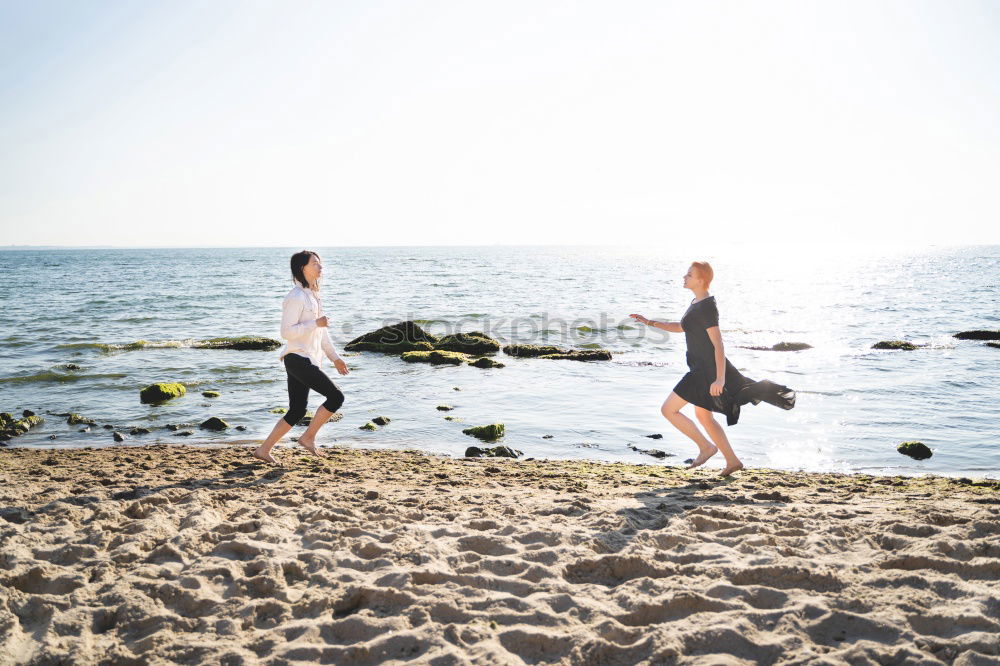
{"x": 264, "y": 450}
{"x": 308, "y": 438}
{"x": 671, "y": 411}
{"x": 718, "y": 435}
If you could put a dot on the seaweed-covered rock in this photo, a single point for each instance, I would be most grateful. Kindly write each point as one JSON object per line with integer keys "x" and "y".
{"x": 580, "y": 355}
{"x": 435, "y": 357}
{"x": 901, "y": 345}
{"x": 369, "y": 426}
{"x": 445, "y": 408}
{"x": 492, "y": 452}
{"x": 139, "y": 431}
{"x": 381, "y": 420}
{"x": 531, "y": 351}
{"x": 916, "y": 450}
{"x": 978, "y": 335}
{"x": 155, "y": 393}
{"x": 183, "y": 433}
{"x": 487, "y": 433}
{"x": 476, "y": 342}
{"x": 211, "y": 394}
{"x": 71, "y": 366}
{"x": 656, "y": 453}
{"x": 243, "y": 343}
{"x": 279, "y": 410}
{"x": 213, "y": 423}
{"x": 74, "y": 419}
{"x": 395, "y": 339}
{"x": 119, "y": 437}
{"x": 784, "y": 346}
{"x": 486, "y": 362}
{"x": 11, "y": 427}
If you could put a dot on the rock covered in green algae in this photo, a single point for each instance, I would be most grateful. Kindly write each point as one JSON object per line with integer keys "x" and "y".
{"x": 279, "y": 410}
{"x": 243, "y": 343}
{"x": 435, "y": 357}
{"x": 784, "y": 346}
{"x": 74, "y": 419}
{"x": 978, "y": 335}
{"x": 916, "y": 450}
{"x": 211, "y": 394}
{"x": 487, "y": 433}
{"x": 11, "y": 427}
{"x": 381, "y": 420}
{"x": 445, "y": 408}
{"x": 901, "y": 345}
{"x": 475, "y": 342}
{"x": 486, "y": 362}
{"x": 493, "y": 452}
{"x": 155, "y": 393}
{"x": 532, "y": 351}
{"x": 580, "y": 355}
{"x": 369, "y": 426}
{"x": 395, "y": 339}
{"x": 213, "y": 423}
{"x": 557, "y": 353}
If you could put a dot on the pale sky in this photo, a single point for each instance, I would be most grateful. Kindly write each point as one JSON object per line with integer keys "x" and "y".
{"x": 302, "y": 123}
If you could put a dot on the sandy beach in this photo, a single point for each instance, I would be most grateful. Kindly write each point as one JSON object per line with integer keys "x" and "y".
{"x": 151, "y": 555}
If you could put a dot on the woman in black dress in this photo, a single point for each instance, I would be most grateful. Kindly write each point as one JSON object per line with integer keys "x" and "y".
{"x": 712, "y": 384}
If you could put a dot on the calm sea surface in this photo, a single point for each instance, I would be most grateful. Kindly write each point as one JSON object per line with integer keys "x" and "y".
{"x": 855, "y": 404}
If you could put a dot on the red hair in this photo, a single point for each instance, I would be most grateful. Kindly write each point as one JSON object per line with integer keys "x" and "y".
{"x": 704, "y": 270}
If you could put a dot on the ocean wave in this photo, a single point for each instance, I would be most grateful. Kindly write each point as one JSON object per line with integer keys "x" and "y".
{"x": 50, "y": 376}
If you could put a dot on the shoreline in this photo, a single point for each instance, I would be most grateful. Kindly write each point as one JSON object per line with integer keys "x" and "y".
{"x": 189, "y": 553}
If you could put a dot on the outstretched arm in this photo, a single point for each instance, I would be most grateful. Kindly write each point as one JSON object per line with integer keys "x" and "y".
{"x": 715, "y": 335}
{"x": 670, "y": 326}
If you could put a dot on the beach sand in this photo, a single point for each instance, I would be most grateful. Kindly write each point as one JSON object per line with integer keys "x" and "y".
{"x": 160, "y": 554}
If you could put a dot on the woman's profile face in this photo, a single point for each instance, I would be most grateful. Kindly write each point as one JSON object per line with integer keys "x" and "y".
{"x": 690, "y": 278}
{"x": 313, "y": 270}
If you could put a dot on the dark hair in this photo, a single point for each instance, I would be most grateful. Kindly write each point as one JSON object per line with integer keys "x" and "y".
{"x": 299, "y": 260}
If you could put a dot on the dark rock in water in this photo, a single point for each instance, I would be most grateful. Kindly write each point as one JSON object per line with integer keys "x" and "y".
{"x": 184, "y": 433}
{"x": 532, "y": 351}
{"x": 108, "y": 426}
{"x": 139, "y": 431}
{"x": 71, "y": 366}
{"x": 655, "y": 436}
{"x": 172, "y": 426}
{"x": 52, "y": 436}
{"x": 26, "y": 413}
{"x": 279, "y": 410}
{"x": 455, "y": 388}
{"x": 656, "y": 453}
{"x": 214, "y": 423}
{"x": 243, "y": 343}
{"x": 445, "y": 408}
{"x": 241, "y": 428}
{"x": 74, "y": 419}
{"x": 381, "y": 420}
{"x": 395, "y": 339}
{"x": 978, "y": 335}
{"x": 547, "y": 436}
{"x": 11, "y": 427}
{"x": 211, "y": 394}
{"x": 784, "y": 346}
{"x": 156, "y": 393}
{"x": 487, "y": 433}
{"x": 902, "y": 345}
{"x": 993, "y": 344}
{"x": 916, "y": 450}
{"x": 368, "y": 426}
{"x": 85, "y": 429}
{"x": 119, "y": 437}
{"x": 476, "y": 342}
{"x": 449, "y": 418}
{"x": 580, "y": 355}
{"x": 494, "y": 452}
{"x": 485, "y": 362}
{"x": 435, "y": 357}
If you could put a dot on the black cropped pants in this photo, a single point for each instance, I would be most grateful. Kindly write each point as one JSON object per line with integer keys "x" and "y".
{"x": 302, "y": 376}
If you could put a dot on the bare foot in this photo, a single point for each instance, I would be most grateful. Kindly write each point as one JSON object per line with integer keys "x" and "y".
{"x": 731, "y": 468}
{"x": 310, "y": 446}
{"x": 703, "y": 458}
{"x": 266, "y": 457}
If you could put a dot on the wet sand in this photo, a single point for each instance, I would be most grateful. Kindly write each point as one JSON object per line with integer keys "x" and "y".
{"x": 158, "y": 554}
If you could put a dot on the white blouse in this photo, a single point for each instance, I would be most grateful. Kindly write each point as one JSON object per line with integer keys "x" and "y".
{"x": 299, "y": 312}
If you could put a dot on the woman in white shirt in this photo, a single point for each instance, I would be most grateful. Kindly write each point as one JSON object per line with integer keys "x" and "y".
{"x": 304, "y": 325}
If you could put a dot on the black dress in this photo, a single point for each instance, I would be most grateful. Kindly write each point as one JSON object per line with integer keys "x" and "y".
{"x": 739, "y": 390}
